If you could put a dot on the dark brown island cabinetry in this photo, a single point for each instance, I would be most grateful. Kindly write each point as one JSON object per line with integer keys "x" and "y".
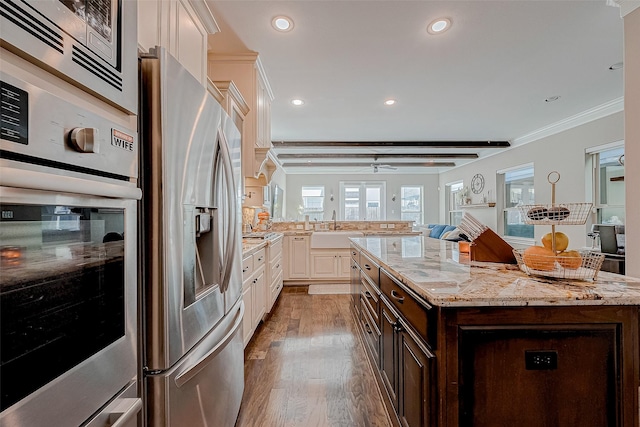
{"x": 490, "y": 365}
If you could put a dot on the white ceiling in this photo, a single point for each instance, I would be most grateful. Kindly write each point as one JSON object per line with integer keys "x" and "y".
{"x": 484, "y": 79}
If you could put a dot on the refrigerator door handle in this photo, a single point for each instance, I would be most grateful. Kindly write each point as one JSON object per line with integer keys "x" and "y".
{"x": 187, "y": 375}
{"x": 231, "y": 242}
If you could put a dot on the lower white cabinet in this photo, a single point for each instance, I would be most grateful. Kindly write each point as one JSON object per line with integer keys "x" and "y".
{"x": 275, "y": 273}
{"x": 254, "y": 292}
{"x": 332, "y": 264}
{"x": 297, "y": 249}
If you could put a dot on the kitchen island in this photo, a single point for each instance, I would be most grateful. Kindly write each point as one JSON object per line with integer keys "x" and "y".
{"x": 458, "y": 343}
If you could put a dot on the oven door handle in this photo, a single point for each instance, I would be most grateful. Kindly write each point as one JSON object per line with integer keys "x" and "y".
{"x": 12, "y": 177}
{"x": 187, "y": 375}
{"x": 125, "y": 411}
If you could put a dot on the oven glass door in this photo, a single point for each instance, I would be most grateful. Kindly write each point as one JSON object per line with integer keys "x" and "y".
{"x": 62, "y": 290}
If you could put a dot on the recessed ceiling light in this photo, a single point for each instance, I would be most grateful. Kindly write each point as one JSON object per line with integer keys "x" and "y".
{"x": 389, "y": 102}
{"x": 282, "y": 23}
{"x": 616, "y": 66}
{"x": 297, "y": 102}
{"x": 552, "y": 98}
{"x": 439, "y": 26}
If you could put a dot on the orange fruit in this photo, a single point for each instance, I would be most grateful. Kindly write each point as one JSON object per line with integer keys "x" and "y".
{"x": 569, "y": 259}
{"x": 539, "y": 258}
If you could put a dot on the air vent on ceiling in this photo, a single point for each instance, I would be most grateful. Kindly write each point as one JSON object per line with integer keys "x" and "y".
{"x": 96, "y": 68}
{"x": 31, "y": 24}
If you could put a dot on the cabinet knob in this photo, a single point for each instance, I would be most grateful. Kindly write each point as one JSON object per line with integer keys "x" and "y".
{"x": 84, "y": 140}
{"x": 368, "y": 328}
{"x": 367, "y": 266}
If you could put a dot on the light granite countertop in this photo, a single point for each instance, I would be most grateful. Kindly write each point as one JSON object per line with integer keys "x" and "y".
{"x": 251, "y": 245}
{"x": 441, "y": 275}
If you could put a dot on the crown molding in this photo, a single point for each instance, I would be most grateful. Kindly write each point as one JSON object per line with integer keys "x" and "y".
{"x": 626, "y": 6}
{"x": 606, "y": 109}
{"x": 206, "y": 17}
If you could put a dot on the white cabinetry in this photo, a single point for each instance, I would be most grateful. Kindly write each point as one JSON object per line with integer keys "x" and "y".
{"x": 275, "y": 272}
{"x": 246, "y": 71}
{"x": 332, "y": 264}
{"x": 180, "y": 26}
{"x": 233, "y": 103}
{"x": 297, "y": 256}
{"x": 253, "y": 292}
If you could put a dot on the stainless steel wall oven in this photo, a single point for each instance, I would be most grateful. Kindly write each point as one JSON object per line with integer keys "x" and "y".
{"x": 68, "y": 254}
{"x": 87, "y": 42}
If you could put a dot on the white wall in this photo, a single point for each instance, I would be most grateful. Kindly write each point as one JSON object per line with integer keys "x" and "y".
{"x": 563, "y": 152}
{"x": 393, "y": 183}
{"x": 632, "y": 140}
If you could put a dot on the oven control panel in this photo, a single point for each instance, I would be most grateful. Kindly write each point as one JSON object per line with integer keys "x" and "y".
{"x": 42, "y": 129}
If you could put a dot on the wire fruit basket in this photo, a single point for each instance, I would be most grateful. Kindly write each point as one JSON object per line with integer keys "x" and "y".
{"x": 555, "y": 261}
{"x": 580, "y": 265}
{"x": 556, "y": 214}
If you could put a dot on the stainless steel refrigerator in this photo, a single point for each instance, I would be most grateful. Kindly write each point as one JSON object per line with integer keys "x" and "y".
{"x": 191, "y": 250}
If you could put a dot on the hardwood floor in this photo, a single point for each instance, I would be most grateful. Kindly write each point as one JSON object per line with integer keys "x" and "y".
{"x": 305, "y": 366}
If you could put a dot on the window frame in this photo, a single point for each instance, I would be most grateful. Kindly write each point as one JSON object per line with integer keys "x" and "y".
{"x": 420, "y": 210}
{"x": 594, "y": 156}
{"x": 362, "y": 188}
{"x": 501, "y": 186}
{"x": 313, "y": 214}
{"x": 453, "y": 196}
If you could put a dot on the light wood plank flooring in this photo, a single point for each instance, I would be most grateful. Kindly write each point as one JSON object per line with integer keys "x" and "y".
{"x": 305, "y": 366}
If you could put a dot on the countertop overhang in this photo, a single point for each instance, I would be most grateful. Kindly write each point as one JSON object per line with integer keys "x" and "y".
{"x": 441, "y": 275}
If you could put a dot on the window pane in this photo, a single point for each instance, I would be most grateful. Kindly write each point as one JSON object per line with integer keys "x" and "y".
{"x": 514, "y": 226}
{"x": 411, "y": 204}
{"x": 313, "y": 202}
{"x": 611, "y": 187}
{"x": 518, "y": 191}
{"x": 373, "y": 204}
{"x": 352, "y": 203}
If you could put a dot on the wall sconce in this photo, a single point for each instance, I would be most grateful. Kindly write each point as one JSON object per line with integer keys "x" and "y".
{"x": 393, "y": 198}
{"x": 331, "y": 197}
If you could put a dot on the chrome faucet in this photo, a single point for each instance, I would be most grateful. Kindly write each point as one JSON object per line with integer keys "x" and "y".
{"x": 333, "y": 218}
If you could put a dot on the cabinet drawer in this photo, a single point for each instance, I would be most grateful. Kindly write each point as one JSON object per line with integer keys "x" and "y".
{"x": 247, "y": 267}
{"x": 371, "y": 297}
{"x": 275, "y": 268}
{"x": 275, "y": 250}
{"x": 259, "y": 258}
{"x": 371, "y": 333}
{"x": 355, "y": 255}
{"x": 419, "y": 315}
{"x": 370, "y": 268}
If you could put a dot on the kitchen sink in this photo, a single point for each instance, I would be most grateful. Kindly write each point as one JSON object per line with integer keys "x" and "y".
{"x": 332, "y": 239}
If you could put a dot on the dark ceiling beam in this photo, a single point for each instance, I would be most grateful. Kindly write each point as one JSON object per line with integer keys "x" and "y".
{"x": 369, "y": 164}
{"x": 391, "y": 144}
{"x": 376, "y": 155}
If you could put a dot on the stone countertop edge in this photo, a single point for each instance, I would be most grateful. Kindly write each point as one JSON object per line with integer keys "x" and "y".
{"x": 448, "y": 283}
{"x": 251, "y": 246}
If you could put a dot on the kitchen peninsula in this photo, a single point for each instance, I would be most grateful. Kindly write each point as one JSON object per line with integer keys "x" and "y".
{"x": 455, "y": 342}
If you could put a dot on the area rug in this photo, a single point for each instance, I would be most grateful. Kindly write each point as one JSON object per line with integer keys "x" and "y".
{"x": 340, "y": 288}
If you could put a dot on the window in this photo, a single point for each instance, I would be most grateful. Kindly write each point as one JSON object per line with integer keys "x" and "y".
{"x": 608, "y": 185}
{"x": 362, "y": 201}
{"x": 518, "y": 190}
{"x": 454, "y": 201}
{"x": 313, "y": 202}
{"x": 411, "y": 204}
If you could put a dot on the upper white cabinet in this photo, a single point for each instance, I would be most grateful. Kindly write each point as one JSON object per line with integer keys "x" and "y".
{"x": 246, "y": 71}
{"x": 180, "y": 26}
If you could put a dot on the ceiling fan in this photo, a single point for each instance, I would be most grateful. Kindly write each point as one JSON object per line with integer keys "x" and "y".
{"x": 377, "y": 166}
